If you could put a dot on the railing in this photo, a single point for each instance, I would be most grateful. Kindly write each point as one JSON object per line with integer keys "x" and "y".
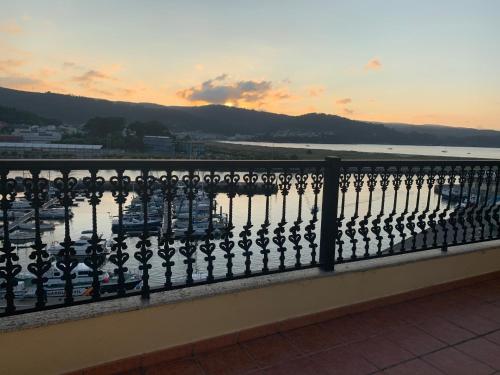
{"x": 186, "y": 223}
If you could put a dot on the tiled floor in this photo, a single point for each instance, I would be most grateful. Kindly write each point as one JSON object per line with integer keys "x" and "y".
{"x": 456, "y": 332}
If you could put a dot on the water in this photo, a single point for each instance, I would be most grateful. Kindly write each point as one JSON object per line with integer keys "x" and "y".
{"x": 448, "y": 151}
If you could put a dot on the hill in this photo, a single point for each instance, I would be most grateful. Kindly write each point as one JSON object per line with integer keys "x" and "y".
{"x": 225, "y": 121}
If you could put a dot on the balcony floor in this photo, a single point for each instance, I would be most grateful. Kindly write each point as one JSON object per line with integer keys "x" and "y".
{"x": 455, "y": 332}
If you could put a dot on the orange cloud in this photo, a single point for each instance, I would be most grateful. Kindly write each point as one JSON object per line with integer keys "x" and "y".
{"x": 10, "y": 65}
{"x": 315, "y": 91}
{"x": 11, "y": 28}
{"x": 91, "y": 76}
{"x": 347, "y": 111}
{"x": 373, "y": 64}
{"x": 343, "y": 101}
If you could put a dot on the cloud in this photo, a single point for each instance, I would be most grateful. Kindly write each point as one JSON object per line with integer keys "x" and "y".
{"x": 11, "y": 28}
{"x": 10, "y": 64}
{"x": 344, "y": 101}
{"x": 315, "y": 91}
{"x": 69, "y": 65}
{"x": 347, "y": 111}
{"x": 219, "y": 91}
{"x": 92, "y": 76}
{"x": 373, "y": 64}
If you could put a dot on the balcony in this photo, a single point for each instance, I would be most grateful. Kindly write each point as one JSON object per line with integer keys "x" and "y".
{"x": 114, "y": 265}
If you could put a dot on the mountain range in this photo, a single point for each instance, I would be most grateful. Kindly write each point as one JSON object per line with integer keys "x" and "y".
{"x": 222, "y": 121}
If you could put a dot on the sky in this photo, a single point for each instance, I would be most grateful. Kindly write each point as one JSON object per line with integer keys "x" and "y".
{"x": 380, "y": 60}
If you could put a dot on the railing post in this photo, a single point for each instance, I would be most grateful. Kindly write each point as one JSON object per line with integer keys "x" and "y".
{"x": 329, "y": 213}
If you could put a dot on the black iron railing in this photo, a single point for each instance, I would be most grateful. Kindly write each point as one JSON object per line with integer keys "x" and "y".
{"x": 78, "y": 231}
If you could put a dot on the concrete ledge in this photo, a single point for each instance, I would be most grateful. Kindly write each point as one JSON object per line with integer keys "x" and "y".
{"x": 176, "y": 324}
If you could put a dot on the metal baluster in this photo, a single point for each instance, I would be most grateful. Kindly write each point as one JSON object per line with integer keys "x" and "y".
{"x": 168, "y": 185}
{"x": 376, "y": 228}
{"x": 65, "y": 193}
{"x": 295, "y": 236}
{"x": 8, "y": 271}
{"x": 494, "y": 206}
{"x": 461, "y": 208}
{"x": 432, "y": 217}
{"x": 471, "y": 206}
{"x": 344, "y": 182}
{"x": 363, "y": 224}
{"x": 480, "y": 217}
{"x": 400, "y": 226}
{"x": 411, "y": 225}
{"x": 351, "y": 230}
{"x": 421, "y": 218}
{"x": 208, "y": 247}
{"x": 279, "y": 239}
{"x": 144, "y": 253}
{"x": 310, "y": 235}
{"x": 120, "y": 186}
{"x": 388, "y": 227}
{"x": 468, "y": 176}
{"x": 95, "y": 259}
{"x": 245, "y": 242}
{"x": 36, "y": 192}
{"x": 443, "y": 222}
{"x": 269, "y": 180}
{"x": 227, "y": 244}
{"x": 476, "y": 210}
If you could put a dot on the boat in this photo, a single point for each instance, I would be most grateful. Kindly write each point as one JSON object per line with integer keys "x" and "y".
{"x": 32, "y": 227}
{"x": 82, "y": 282}
{"x": 19, "y": 237}
{"x": 20, "y": 204}
{"x": 80, "y": 246}
{"x": 56, "y": 213}
{"x": 135, "y": 224}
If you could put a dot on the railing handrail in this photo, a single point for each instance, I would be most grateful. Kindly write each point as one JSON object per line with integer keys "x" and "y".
{"x": 138, "y": 164}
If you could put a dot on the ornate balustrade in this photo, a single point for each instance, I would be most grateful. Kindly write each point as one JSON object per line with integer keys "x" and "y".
{"x": 184, "y": 223}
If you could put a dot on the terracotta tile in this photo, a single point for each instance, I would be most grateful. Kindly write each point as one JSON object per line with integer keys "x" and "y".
{"x": 270, "y": 350}
{"x": 300, "y": 366}
{"x": 257, "y": 332}
{"x": 231, "y": 360}
{"x": 381, "y": 352}
{"x": 452, "y": 361}
{"x": 414, "y": 340}
{"x": 489, "y": 311}
{"x": 116, "y": 367}
{"x": 215, "y": 343}
{"x": 170, "y": 354}
{"x": 343, "y": 330}
{"x": 482, "y": 350}
{"x": 179, "y": 367}
{"x": 494, "y": 337}
{"x": 484, "y": 292}
{"x": 374, "y": 324}
{"x": 410, "y": 312}
{"x": 472, "y": 321}
{"x": 341, "y": 361}
{"x": 445, "y": 330}
{"x": 311, "y": 338}
{"x": 413, "y": 367}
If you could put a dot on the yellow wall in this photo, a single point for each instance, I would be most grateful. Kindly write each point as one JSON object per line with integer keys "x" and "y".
{"x": 77, "y": 344}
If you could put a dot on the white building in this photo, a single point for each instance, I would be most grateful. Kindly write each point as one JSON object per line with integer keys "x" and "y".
{"x": 38, "y": 134}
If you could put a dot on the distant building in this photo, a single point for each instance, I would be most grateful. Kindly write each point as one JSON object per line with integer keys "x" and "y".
{"x": 159, "y": 145}
{"x": 38, "y": 134}
{"x": 40, "y": 150}
{"x": 10, "y": 138}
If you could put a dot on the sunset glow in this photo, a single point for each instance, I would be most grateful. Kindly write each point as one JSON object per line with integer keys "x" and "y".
{"x": 414, "y": 62}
